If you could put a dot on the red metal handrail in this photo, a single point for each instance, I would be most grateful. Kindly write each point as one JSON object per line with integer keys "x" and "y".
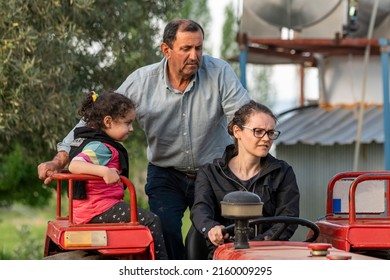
{"x": 352, "y": 190}
{"x": 359, "y": 176}
{"x": 82, "y": 177}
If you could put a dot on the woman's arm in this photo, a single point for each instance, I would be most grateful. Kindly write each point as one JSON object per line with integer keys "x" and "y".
{"x": 203, "y": 211}
{"x": 287, "y": 203}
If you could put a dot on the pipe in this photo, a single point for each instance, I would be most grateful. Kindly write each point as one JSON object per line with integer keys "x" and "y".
{"x": 361, "y": 109}
{"x": 385, "y": 53}
{"x": 242, "y": 40}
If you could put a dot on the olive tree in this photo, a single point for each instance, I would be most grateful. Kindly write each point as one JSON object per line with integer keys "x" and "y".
{"x": 51, "y": 53}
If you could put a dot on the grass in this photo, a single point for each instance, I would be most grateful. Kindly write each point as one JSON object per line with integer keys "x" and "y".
{"x": 23, "y": 228}
{"x": 186, "y": 223}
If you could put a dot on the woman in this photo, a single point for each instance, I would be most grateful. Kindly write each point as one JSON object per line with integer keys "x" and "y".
{"x": 246, "y": 166}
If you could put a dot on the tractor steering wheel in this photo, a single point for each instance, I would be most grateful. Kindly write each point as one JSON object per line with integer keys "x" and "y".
{"x": 285, "y": 220}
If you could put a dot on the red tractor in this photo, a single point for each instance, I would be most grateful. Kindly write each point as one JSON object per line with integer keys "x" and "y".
{"x": 67, "y": 240}
{"x": 334, "y": 238}
{"x": 245, "y": 209}
{"x": 358, "y": 213}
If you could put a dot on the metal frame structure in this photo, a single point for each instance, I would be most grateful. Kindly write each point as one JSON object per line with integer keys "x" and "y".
{"x": 305, "y": 53}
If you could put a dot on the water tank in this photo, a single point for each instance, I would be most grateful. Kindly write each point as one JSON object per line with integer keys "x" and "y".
{"x": 292, "y": 14}
{"x": 313, "y": 19}
{"x": 363, "y": 17}
{"x": 308, "y": 18}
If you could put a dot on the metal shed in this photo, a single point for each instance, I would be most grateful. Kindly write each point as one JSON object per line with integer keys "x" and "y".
{"x": 320, "y": 142}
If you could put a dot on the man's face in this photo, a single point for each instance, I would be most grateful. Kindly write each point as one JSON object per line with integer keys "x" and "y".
{"x": 185, "y": 56}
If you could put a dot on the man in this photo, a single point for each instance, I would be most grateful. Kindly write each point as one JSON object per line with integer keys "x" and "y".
{"x": 183, "y": 104}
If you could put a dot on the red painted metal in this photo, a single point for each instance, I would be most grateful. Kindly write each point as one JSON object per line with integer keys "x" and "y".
{"x": 280, "y": 250}
{"x": 350, "y": 232}
{"x": 319, "y": 246}
{"x": 319, "y": 249}
{"x": 345, "y": 175}
{"x": 124, "y": 240}
{"x": 336, "y": 46}
{"x": 338, "y": 257}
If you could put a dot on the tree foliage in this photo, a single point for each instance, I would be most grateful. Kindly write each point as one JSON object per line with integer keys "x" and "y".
{"x": 51, "y": 52}
{"x": 229, "y": 45}
{"x": 198, "y": 11}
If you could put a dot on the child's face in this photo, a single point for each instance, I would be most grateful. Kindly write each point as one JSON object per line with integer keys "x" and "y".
{"x": 119, "y": 129}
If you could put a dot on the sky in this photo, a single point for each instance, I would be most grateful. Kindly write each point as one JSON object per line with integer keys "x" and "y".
{"x": 217, "y": 10}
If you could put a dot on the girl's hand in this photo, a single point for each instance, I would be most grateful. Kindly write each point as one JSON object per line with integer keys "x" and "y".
{"x": 111, "y": 176}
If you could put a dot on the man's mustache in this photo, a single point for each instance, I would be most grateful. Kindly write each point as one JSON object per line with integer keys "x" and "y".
{"x": 193, "y": 62}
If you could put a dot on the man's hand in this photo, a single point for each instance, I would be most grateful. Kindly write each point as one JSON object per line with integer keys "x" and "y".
{"x": 48, "y": 168}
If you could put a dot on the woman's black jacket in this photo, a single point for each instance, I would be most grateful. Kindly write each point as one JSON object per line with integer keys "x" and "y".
{"x": 276, "y": 185}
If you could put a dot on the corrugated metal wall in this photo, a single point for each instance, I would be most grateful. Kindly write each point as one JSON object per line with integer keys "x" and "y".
{"x": 315, "y": 165}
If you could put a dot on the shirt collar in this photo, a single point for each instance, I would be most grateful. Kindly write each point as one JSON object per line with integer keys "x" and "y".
{"x": 168, "y": 84}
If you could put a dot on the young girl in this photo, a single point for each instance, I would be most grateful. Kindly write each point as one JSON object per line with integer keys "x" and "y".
{"x": 109, "y": 118}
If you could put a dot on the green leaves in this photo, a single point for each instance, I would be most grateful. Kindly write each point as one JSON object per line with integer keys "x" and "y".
{"x": 50, "y": 53}
{"x": 53, "y": 51}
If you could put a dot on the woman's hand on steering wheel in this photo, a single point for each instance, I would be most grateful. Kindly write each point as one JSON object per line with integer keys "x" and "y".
{"x": 216, "y": 236}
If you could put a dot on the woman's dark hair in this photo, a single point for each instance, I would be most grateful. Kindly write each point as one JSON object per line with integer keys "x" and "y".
{"x": 242, "y": 115}
{"x": 95, "y": 107}
{"x": 185, "y": 25}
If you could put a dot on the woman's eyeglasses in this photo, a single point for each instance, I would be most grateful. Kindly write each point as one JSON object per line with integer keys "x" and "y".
{"x": 259, "y": 132}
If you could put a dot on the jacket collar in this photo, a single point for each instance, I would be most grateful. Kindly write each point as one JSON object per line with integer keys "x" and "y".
{"x": 268, "y": 163}
{"x": 83, "y": 135}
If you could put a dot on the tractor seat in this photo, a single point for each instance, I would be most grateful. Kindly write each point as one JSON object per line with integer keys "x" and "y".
{"x": 196, "y": 246}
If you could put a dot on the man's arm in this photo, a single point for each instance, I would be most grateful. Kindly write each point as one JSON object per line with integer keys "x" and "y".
{"x": 234, "y": 95}
{"x": 47, "y": 169}
{"x": 61, "y": 159}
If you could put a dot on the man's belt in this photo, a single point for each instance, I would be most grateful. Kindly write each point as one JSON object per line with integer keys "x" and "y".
{"x": 189, "y": 175}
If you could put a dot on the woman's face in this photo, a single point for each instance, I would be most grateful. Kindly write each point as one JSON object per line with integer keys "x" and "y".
{"x": 247, "y": 142}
